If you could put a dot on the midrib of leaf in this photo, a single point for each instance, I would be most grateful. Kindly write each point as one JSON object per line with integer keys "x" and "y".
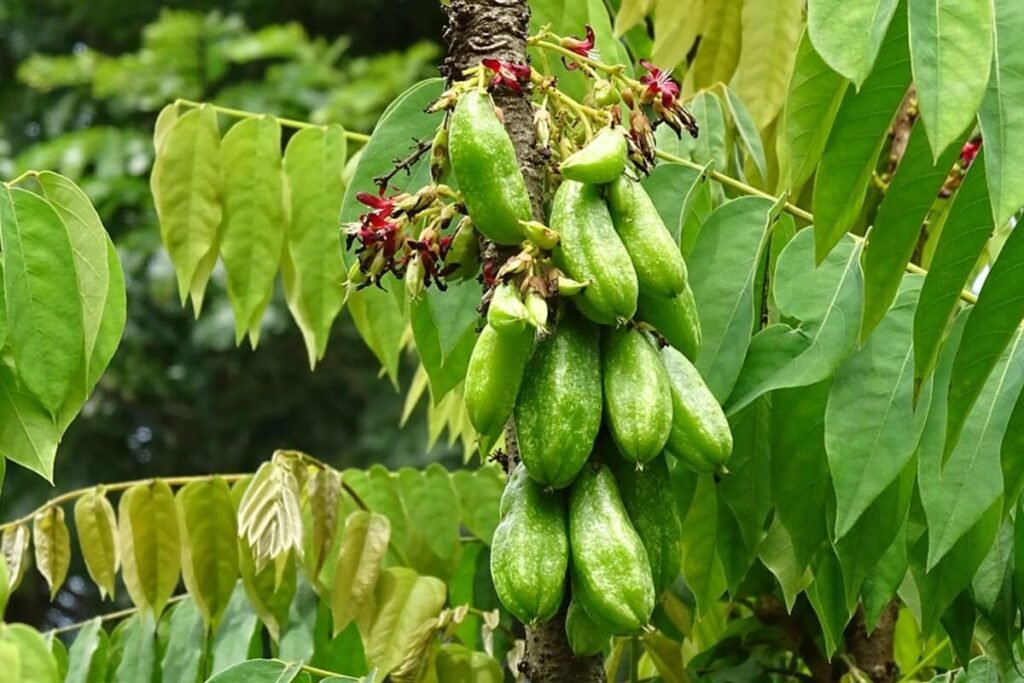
{"x": 947, "y": 519}
{"x": 194, "y": 187}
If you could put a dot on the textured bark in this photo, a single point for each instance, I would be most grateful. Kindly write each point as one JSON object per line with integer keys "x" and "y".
{"x": 873, "y": 654}
{"x": 479, "y": 29}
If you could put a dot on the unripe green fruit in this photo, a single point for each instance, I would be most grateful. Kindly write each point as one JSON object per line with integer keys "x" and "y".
{"x": 493, "y": 377}
{"x": 637, "y": 396}
{"x": 486, "y": 169}
{"x": 700, "y": 436}
{"x": 601, "y": 161}
{"x": 530, "y": 550}
{"x": 507, "y": 313}
{"x": 675, "y": 319}
{"x": 585, "y": 637}
{"x": 611, "y": 576}
{"x": 589, "y": 250}
{"x": 558, "y": 411}
{"x": 659, "y": 264}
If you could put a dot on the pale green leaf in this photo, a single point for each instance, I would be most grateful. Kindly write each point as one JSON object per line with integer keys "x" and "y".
{"x": 432, "y": 520}
{"x": 15, "y": 545}
{"x": 812, "y": 101}
{"x": 322, "y": 500}
{"x": 259, "y": 671}
{"x": 631, "y": 13}
{"x": 747, "y": 130}
{"x": 849, "y": 33}
{"x": 364, "y": 543}
{"x": 314, "y": 274}
{"x": 37, "y": 664}
{"x": 771, "y": 32}
{"x": 676, "y": 24}
{"x": 894, "y": 236}
{"x": 53, "y": 546}
{"x": 1001, "y": 116}
{"x": 150, "y": 544}
{"x": 87, "y": 658}
{"x": 860, "y": 130}
{"x": 951, "y": 51}
{"x": 209, "y": 546}
{"x": 722, "y": 267}
{"x": 964, "y": 234}
{"x": 381, "y": 321}
{"x": 96, "y": 527}
{"x": 139, "y": 659}
{"x": 702, "y": 567}
{"x": 405, "y": 602}
{"x": 269, "y": 516}
{"x": 254, "y": 219}
{"x": 479, "y": 495}
{"x": 186, "y": 644}
{"x": 44, "y": 317}
{"x": 710, "y": 144}
{"x": 826, "y": 300}
{"x": 869, "y": 423}
{"x": 239, "y": 636}
{"x": 186, "y": 184}
{"x": 719, "y": 51}
{"x": 378, "y": 490}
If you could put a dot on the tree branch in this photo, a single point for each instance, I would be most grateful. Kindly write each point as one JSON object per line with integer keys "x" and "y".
{"x": 873, "y": 653}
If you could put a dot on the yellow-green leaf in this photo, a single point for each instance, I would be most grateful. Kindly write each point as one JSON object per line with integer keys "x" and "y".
{"x": 254, "y": 223}
{"x": 96, "y": 526}
{"x": 150, "y": 544}
{"x": 676, "y": 23}
{"x": 87, "y": 658}
{"x": 313, "y": 273}
{"x": 209, "y": 557}
{"x": 719, "y": 50}
{"x": 848, "y": 33}
{"x": 631, "y": 13}
{"x": 771, "y": 32}
{"x": 323, "y": 497}
{"x": 53, "y": 546}
{"x": 405, "y": 603}
{"x": 363, "y": 546}
{"x": 15, "y": 545}
{"x": 186, "y": 184}
{"x": 28, "y": 433}
{"x": 35, "y": 659}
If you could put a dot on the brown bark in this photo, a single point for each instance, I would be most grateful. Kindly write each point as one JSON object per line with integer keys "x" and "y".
{"x": 873, "y": 654}
{"x": 479, "y": 29}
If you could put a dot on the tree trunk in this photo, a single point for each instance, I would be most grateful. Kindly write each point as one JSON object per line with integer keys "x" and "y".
{"x": 479, "y": 29}
{"x": 873, "y": 654}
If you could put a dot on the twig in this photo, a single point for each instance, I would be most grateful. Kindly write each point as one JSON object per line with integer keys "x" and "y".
{"x": 109, "y": 616}
{"x": 406, "y": 164}
{"x": 287, "y": 123}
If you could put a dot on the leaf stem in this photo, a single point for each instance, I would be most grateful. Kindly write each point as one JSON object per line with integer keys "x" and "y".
{"x": 929, "y": 656}
{"x": 287, "y": 123}
{"x": 23, "y": 176}
{"x": 109, "y": 616}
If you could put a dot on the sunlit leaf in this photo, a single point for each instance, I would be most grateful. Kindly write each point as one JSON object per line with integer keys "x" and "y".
{"x": 53, "y": 546}
{"x": 771, "y": 32}
{"x": 849, "y": 33}
{"x": 150, "y": 544}
{"x": 364, "y": 543}
{"x": 209, "y": 557}
{"x": 96, "y": 527}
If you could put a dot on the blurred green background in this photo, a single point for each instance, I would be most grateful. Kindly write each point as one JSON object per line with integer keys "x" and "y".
{"x": 80, "y": 87}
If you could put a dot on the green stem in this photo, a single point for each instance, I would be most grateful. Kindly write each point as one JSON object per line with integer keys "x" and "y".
{"x": 287, "y": 123}
{"x": 109, "y": 616}
{"x": 925, "y": 661}
{"x": 23, "y": 176}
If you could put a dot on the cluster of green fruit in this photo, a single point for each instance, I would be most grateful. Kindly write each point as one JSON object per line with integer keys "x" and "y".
{"x": 596, "y": 509}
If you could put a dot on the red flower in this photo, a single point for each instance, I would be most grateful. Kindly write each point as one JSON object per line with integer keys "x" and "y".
{"x": 657, "y": 83}
{"x": 584, "y": 47}
{"x": 380, "y": 207}
{"x": 509, "y": 74}
{"x": 969, "y": 151}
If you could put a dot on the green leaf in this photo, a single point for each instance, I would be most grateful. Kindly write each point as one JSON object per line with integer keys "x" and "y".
{"x": 239, "y": 636}
{"x": 87, "y": 658}
{"x": 697, "y": 206}
{"x": 28, "y": 435}
{"x": 254, "y": 219}
{"x": 747, "y": 490}
{"x": 702, "y": 567}
{"x": 668, "y": 187}
{"x": 870, "y": 430}
{"x": 432, "y": 520}
{"x": 380, "y": 493}
{"x": 44, "y": 317}
{"x": 150, "y": 544}
{"x": 322, "y": 503}
{"x": 138, "y": 661}
{"x": 722, "y": 267}
{"x": 631, "y": 13}
{"x": 993, "y": 323}
{"x": 444, "y": 328}
{"x": 298, "y": 639}
{"x": 815, "y": 93}
{"x": 719, "y": 50}
{"x": 771, "y": 32}
{"x": 824, "y": 300}
{"x": 675, "y": 29}
{"x": 958, "y": 492}
{"x": 381, "y": 321}
{"x": 882, "y": 582}
{"x": 186, "y": 184}
{"x": 894, "y": 236}
{"x": 848, "y": 34}
{"x": 747, "y": 129}
{"x": 964, "y": 234}
{"x": 992, "y": 587}
{"x": 89, "y": 246}
{"x": 778, "y": 554}
{"x": 269, "y": 594}
{"x": 209, "y": 545}
{"x": 313, "y": 271}
{"x": 710, "y": 144}
{"x": 405, "y": 602}
{"x": 860, "y": 131}
{"x": 53, "y": 546}
{"x": 364, "y": 543}
{"x": 186, "y": 646}
{"x": 479, "y": 495}
{"x": 259, "y": 671}
{"x": 1001, "y": 117}
{"x": 16, "y": 543}
{"x": 96, "y": 527}
{"x": 37, "y": 664}
{"x": 827, "y": 597}
{"x": 799, "y": 468}
{"x": 951, "y": 53}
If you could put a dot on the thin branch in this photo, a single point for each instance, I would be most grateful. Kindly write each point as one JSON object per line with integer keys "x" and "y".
{"x": 110, "y": 616}
{"x": 925, "y": 661}
{"x": 287, "y": 123}
{"x": 421, "y": 147}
